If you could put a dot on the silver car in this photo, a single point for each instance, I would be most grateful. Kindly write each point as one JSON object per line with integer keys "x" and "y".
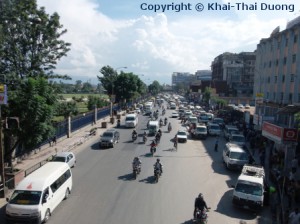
{"x": 65, "y": 157}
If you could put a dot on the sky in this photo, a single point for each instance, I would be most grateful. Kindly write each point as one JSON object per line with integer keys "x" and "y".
{"x": 154, "y": 38}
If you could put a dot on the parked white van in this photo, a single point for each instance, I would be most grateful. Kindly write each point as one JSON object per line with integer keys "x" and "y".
{"x": 36, "y": 196}
{"x": 131, "y": 120}
{"x": 234, "y": 156}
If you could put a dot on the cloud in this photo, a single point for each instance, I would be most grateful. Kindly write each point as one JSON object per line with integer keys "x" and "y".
{"x": 154, "y": 45}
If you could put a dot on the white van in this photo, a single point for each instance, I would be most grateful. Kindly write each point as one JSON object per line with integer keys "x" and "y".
{"x": 153, "y": 127}
{"x": 36, "y": 196}
{"x": 250, "y": 188}
{"x": 234, "y": 156}
{"x": 131, "y": 120}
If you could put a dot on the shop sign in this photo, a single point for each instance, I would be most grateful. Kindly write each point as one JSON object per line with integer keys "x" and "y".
{"x": 290, "y": 134}
{"x": 272, "y": 131}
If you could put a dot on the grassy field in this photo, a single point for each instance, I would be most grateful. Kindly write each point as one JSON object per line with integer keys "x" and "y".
{"x": 84, "y": 95}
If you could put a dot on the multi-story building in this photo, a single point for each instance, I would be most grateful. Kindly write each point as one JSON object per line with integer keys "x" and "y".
{"x": 237, "y": 70}
{"x": 182, "y": 77}
{"x": 203, "y": 75}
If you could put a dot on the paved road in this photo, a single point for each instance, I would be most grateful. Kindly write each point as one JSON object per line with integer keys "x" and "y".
{"x": 105, "y": 193}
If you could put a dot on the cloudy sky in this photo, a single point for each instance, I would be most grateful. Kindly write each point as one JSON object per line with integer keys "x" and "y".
{"x": 175, "y": 38}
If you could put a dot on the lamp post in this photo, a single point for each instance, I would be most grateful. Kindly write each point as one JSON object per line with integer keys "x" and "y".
{"x": 112, "y": 97}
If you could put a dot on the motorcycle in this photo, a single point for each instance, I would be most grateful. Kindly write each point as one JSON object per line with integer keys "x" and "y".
{"x": 152, "y": 150}
{"x": 144, "y": 139}
{"x": 136, "y": 171}
{"x": 157, "y": 173}
{"x": 169, "y": 128}
{"x": 201, "y": 216}
{"x": 134, "y": 137}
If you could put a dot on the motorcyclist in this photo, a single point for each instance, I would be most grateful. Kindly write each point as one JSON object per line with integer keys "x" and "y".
{"x": 159, "y": 132}
{"x": 166, "y": 121}
{"x": 158, "y": 166}
{"x": 175, "y": 141}
{"x": 153, "y": 143}
{"x": 199, "y": 204}
{"x": 137, "y": 163}
{"x": 169, "y": 127}
{"x": 145, "y": 136}
{"x": 160, "y": 122}
{"x": 134, "y": 133}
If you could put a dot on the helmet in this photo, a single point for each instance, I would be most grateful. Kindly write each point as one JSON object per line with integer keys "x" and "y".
{"x": 158, "y": 160}
{"x": 136, "y": 158}
{"x": 200, "y": 195}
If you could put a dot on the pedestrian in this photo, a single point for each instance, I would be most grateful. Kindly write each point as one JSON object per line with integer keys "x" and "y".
{"x": 216, "y": 145}
{"x": 294, "y": 217}
{"x": 54, "y": 140}
{"x": 294, "y": 164}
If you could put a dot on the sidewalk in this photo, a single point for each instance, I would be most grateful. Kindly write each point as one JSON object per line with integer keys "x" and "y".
{"x": 78, "y": 138}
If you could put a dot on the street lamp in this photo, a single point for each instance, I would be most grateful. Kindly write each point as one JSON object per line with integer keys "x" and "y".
{"x": 112, "y": 97}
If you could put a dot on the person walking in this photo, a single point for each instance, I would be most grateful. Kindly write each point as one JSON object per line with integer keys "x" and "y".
{"x": 216, "y": 145}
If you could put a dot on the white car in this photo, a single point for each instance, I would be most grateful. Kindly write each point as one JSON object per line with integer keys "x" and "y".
{"x": 247, "y": 106}
{"x": 174, "y": 114}
{"x": 241, "y": 106}
{"x": 65, "y": 157}
{"x": 181, "y": 136}
{"x": 214, "y": 129}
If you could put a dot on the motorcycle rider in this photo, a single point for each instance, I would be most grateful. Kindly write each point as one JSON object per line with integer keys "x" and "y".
{"x": 175, "y": 141}
{"x": 145, "y": 136}
{"x": 134, "y": 133}
{"x": 169, "y": 127}
{"x": 137, "y": 163}
{"x": 199, "y": 204}
{"x": 166, "y": 121}
{"x": 158, "y": 166}
{"x": 160, "y": 122}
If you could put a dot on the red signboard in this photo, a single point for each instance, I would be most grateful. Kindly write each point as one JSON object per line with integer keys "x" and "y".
{"x": 290, "y": 134}
{"x": 272, "y": 131}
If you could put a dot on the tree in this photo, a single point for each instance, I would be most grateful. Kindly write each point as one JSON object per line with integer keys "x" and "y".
{"x": 31, "y": 41}
{"x": 33, "y": 104}
{"x": 96, "y": 101}
{"x": 108, "y": 78}
{"x": 66, "y": 109}
{"x": 155, "y": 87}
{"x": 30, "y": 47}
{"x": 206, "y": 95}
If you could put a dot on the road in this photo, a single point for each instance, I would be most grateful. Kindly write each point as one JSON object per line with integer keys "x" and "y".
{"x": 105, "y": 193}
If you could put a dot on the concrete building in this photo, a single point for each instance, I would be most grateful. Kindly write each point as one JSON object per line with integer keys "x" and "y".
{"x": 237, "y": 70}
{"x": 183, "y": 78}
{"x": 203, "y": 75}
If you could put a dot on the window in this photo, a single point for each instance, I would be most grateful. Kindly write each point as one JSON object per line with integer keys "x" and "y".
{"x": 268, "y": 80}
{"x": 283, "y": 78}
{"x": 295, "y": 38}
{"x": 292, "y": 77}
{"x": 281, "y": 96}
{"x": 294, "y": 58}
{"x": 270, "y": 64}
{"x": 60, "y": 181}
{"x": 284, "y": 60}
{"x": 278, "y": 45}
{"x": 290, "y": 97}
{"x": 275, "y": 79}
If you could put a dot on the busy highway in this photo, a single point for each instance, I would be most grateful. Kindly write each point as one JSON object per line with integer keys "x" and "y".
{"x": 104, "y": 190}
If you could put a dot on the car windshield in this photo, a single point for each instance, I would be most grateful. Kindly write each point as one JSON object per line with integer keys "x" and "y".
{"x": 59, "y": 159}
{"x": 239, "y": 155}
{"x": 181, "y": 133}
{"x": 249, "y": 188}
{"x": 237, "y": 138}
{"x": 107, "y": 134}
{"x": 202, "y": 129}
{"x": 215, "y": 127}
{"x": 129, "y": 118}
{"x": 25, "y": 197}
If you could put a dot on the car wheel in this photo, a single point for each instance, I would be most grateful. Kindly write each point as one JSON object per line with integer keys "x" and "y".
{"x": 67, "y": 194}
{"x": 47, "y": 215}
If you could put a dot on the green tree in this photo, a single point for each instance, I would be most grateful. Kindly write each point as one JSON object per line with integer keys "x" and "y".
{"x": 33, "y": 104}
{"x": 87, "y": 88}
{"x": 31, "y": 43}
{"x": 207, "y": 94}
{"x": 96, "y": 101}
{"x": 109, "y": 76}
{"x": 66, "y": 109}
{"x": 155, "y": 88}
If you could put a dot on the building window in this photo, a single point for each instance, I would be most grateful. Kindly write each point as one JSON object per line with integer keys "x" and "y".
{"x": 292, "y": 77}
{"x": 286, "y": 42}
{"x": 284, "y": 60}
{"x": 294, "y": 58}
{"x": 278, "y": 45}
{"x": 268, "y": 80}
{"x": 275, "y": 79}
{"x": 295, "y": 38}
{"x": 281, "y": 96}
{"x": 270, "y": 64}
{"x": 290, "y": 98}
{"x": 276, "y": 62}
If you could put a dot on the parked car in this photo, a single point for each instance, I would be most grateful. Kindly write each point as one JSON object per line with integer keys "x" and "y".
{"x": 109, "y": 138}
{"x": 181, "y": 136}
{"x": 234, "y": 156}
{"x": 219, "y": 121}
{"x": 203, "y": 118}
{"x": 247, "y": 106}
{"x": 228, "y": 129}
{"x": 66, "y": 157}
{"x": 238, "y": 139}
{"x": 213, "y": 129}
{"x": 241, "y": 106}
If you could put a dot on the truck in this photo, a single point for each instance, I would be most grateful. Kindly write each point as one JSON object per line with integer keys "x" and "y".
{"x": 250, "y": 187}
